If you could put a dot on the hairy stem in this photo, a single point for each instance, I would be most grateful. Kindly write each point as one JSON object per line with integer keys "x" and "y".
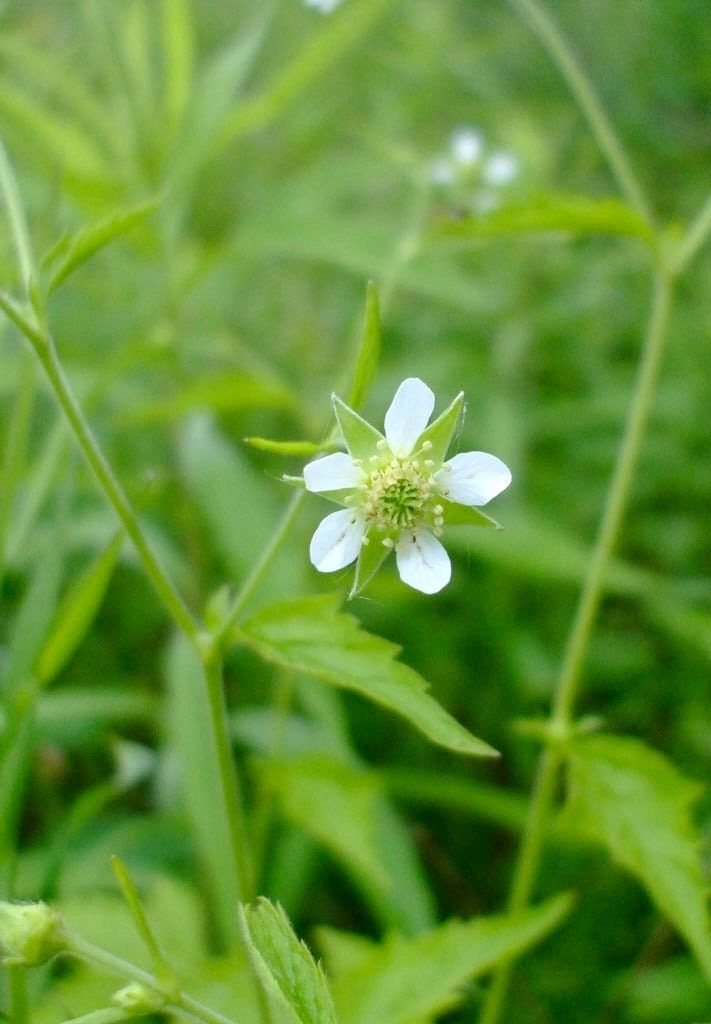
{"x": 568, "y": 683}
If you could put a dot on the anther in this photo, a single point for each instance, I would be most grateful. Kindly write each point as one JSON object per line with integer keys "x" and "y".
{"x": 426, "y": 446}
{"x": 382, "y": 443}
{"x": 429, "y": 463}
{"x": 388, "y": 542}
{"x": 438, "y": 510}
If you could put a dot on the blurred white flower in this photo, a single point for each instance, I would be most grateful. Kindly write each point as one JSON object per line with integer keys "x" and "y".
{"x": 323, "y": 6}
{"x": 500, "y": 169}
{"x": 466, "y": 145}
{"x": 397, "y": 490}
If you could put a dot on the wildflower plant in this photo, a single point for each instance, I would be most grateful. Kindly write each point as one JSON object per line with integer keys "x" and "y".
{"x": 398, "y": 491}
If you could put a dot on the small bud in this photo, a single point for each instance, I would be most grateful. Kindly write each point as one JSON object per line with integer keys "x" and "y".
{"x": 138, "y": 999}
{"x": 30, "y": 933}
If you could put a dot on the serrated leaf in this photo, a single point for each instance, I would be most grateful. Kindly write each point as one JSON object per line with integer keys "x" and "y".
{"x": 360, "y": 436}
{"x": 290, "y": 976}
{"x": 80, "y": 247}
{"x": 632, "y": 799}
{"x": 335, "y": 803}
{"x": 404, "y": 979}
{"x": 579, "y": 215}
{"x": 76, "y": 612}
{"x": 369, "y": 350}
{"x": 441, "y": 431}
{"x": 466, "y": 515}
{"x": 312, "y": 635}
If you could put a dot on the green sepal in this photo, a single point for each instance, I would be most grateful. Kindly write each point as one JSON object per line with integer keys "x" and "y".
{"x": 361, "y": 438}
{"x": 368, "y": 351}
{"x": 371, "y": 557}
{"x": 441, "y": 431}
{"x": 339, "y": 497}
{"x": 466, "y": 515}
{"x": 302, "y": 448}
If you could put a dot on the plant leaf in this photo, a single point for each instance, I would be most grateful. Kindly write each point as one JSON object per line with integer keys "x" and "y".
{"x": 292, "y": 980}
{"x": 85, "y": 243}
{"x": 404, "y": 979}
{"x": 360, "y": 436}
{"x": 76, "y": 612}
{"x": 369, "y": 350}
{"x": 579, "y": 215}
{"x": 637, "y": 803}
{"x": 311, "y": 635}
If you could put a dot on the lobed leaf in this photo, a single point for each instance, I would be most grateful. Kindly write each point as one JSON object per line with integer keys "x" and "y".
{"x": 312, "y": 635}
{"x": 292, "y": 980}
{"x": 404, "y": 979}
{"x": 634, "y": 800}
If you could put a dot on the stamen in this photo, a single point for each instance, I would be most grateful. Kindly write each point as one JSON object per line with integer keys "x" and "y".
{"x": 382, "y": 443}
{"x": 426, "y": 446}
{"x": 388, "y": 542}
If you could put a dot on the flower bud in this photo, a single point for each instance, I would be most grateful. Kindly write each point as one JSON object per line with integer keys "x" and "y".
{"x": 138, "y": 999}
{"x": 30, "y": 933}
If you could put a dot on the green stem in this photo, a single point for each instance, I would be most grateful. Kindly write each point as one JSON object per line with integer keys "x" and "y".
{"x": 593, "y": 587}
{"x": 162, "y": 584}
{"x": 695, "y": 237}
{"x": 580, "y": 86}
{"x": 18, "y": 221}
{"x": 19, "y": 1005}
{"x": 13, "y": 454}
{"x": 261, "y": 566}
{"x": 114, "y": 965}
{"x": 231, "y": 794}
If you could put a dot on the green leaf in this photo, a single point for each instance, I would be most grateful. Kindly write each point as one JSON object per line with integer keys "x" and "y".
{"x": 361, "y": 438}
{"x": 311, "y": 635}
{"x": 178, "y": 37}
{"x": 76, "y": 612}
{"x": 304, "y": 448}
{"x": 292, "y": 980}
{"x": 634, "y": 800}
{"x": 578, "y": 215}
{"x": 466, "y": 515}
{"x": 81, "y": 246}
{"x": 440, "y": 432}
{"x": 369, "y": 350}
{"x": 404, "y": 979}
{"x": 335, "y": 803}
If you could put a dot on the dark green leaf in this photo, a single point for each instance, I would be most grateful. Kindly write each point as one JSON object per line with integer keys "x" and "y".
{"x": 312, "y": 635}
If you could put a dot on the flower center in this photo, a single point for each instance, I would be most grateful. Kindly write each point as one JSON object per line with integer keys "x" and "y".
{"x": 398, "y": 495}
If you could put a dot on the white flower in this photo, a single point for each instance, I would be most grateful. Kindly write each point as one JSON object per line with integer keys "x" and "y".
{"x": 397, "y": 491}
{"x": 324, "y": 6}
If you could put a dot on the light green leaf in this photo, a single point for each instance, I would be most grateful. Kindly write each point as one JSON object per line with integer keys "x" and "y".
{"x": 292, "y": 980}
{"x": 404, "y": 979}
{"x": 361, "y": 438}
{"x": 312, "y": 635}
{"x": 221, "y": 392}
{"x": 304, "y": 448}
{"x": 579, "y": 215}
{"x": 335, "y": 803}
{"x": 80, "y": 247}
{"x": 76, "y": 613}
{"x": 440, "y": 432}
{"x": 466, "y": 515}
{"x": 178, "y": 46}
{"x": 634, "y": 800}
{"x": 368, "y": 352}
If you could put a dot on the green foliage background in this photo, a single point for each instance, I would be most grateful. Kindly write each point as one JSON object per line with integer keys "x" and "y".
{"x": 286, "y": 154}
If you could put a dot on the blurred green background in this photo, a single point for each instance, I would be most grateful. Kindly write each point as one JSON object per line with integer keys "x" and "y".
{"x": 294, "y": 156}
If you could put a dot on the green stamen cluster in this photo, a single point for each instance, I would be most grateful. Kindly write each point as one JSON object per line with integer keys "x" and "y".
{"x": 398, "y": 496}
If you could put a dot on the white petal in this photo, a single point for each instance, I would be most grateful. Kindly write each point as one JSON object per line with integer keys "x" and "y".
{"x": 422, "y": 562}
{"x": 473, "y": 478}
{"x": 408, "y": 415}
{"x": 333, "y": 473}
{"x": 337, "y": 541}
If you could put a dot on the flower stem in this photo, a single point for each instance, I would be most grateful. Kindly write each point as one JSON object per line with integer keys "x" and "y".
{"x": 17, "y": 219}
{"x": 162, "y": 584}
{"x": 582, "y": 89}
{"x": 114, "y": 965}
{"x": 696, "y": 236}
{"x": 576, "y": 648}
